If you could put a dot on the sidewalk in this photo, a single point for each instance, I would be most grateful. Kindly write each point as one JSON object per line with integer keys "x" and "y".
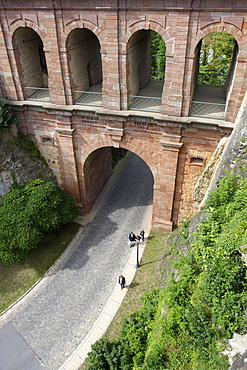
{"x": 107, "y": 315}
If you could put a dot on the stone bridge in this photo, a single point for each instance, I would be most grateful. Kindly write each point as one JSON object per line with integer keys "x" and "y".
{"x": 78, "y": 76}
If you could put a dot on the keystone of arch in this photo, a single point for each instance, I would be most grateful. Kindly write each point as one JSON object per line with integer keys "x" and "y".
{"x": 116, "y": 135}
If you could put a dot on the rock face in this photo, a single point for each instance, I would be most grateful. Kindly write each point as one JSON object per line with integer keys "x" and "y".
{"x": 16, "y": 164}
{"x": 241, "y": 363}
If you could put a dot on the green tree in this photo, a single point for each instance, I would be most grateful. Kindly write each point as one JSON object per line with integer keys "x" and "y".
{"x": 110, "y": 355}
{"x": 158, "y": 57}
{"x": 29, "y": 214}
{"x": 6, "y": 116}
{"x": 216, "y": 56}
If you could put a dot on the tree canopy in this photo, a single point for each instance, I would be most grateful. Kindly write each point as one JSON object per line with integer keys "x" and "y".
{"x": 215, "y": 58}
{"x": 29, "y": 214}
{"x": 158, "y": 57}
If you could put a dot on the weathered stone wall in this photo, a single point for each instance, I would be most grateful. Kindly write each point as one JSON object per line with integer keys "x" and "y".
{"x": 15, "y": 164}
{"x": 66, "y": 139}
{"x": 166, "y": 141}
{"x": 97, "y": 171}
{"x": 181, "y": 29}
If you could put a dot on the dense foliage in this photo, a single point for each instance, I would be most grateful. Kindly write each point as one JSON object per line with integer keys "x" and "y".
{"x": 30, "y": 214}
{"x": 158, "y": 57}
{"x": 128, "y": 351}
{"x": 6, "y": 116}
{"x": 186, "y": 324}
{"x": 215, "y": 59}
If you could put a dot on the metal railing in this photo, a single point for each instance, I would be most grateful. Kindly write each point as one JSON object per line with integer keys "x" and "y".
{"x": 87, "y": 98}
{"x": 144, "y": 103}
{"x": 207, "y": 110}
{"x": 36, "y": 93}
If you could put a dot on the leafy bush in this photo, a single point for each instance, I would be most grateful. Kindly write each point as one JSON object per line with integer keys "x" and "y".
{"x": 129, "y": 350}
{"x": 29, "y": 214}
{"x": 6, "y": 116}
{"x": 109, "y": 355}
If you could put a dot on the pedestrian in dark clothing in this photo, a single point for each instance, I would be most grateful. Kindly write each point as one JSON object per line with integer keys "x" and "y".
{"x": 138, "y": 238}
{"x": 132, "y": 239}
{"x": 121, "y": 281}
{"x": 142, "y": 233}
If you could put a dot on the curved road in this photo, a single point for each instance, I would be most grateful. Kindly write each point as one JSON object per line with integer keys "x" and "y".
{"x": 59, "y": 314}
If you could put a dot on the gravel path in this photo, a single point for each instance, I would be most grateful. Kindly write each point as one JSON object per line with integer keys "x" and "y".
{"x": 57, "y": 318}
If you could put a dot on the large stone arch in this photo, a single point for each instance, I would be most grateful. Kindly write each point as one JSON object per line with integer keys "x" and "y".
{"x": 101, "y": 173}
{"x": 105, "y": 142}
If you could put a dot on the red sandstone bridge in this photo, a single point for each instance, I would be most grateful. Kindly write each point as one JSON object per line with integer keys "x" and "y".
{"x": 78, "y": 76}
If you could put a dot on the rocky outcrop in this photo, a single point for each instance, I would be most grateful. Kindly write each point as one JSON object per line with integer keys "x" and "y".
{"x": 18, "y": 165}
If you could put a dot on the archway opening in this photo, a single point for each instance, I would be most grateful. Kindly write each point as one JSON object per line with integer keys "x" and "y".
{"x": 214, "y": 65}
{"x": 31, "y": 64}
{"x": 146, "y": 58}
{"x": 105, "y": 164}
{"x": 85, "y": 67}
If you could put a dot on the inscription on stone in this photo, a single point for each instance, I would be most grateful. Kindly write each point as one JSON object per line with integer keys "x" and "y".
{"x": 143, "y": 125}
{"x": 90, "y": 119}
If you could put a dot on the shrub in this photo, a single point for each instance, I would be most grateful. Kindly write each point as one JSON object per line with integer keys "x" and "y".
{"x": 29, "y": 214}
{"x": 109, "y": 355}
{"x": 6, "y": 116}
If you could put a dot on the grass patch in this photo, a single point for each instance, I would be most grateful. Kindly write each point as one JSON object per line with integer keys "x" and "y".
{"x": 147, "y": 276}
{"x": 16, "y": 279}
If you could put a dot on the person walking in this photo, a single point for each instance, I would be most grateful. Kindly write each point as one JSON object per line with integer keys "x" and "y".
{"x": 132, "y": 239}
{"x": 142, "y": 233}
{"x": 121, "y": 281}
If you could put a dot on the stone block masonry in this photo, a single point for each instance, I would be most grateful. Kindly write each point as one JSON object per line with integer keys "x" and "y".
{"x": 68, "y": 46}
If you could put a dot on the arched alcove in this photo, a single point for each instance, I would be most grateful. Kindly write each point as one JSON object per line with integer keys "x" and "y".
{"x": 31, "y": 63}
{"x": 99, "y": 166}
{"x": 145, "y": 70}
{"x": 85, "y": 67}
{"x": 214, "y": 65}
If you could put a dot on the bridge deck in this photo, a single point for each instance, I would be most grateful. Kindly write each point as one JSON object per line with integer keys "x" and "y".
{"x": 208, "y": 101}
